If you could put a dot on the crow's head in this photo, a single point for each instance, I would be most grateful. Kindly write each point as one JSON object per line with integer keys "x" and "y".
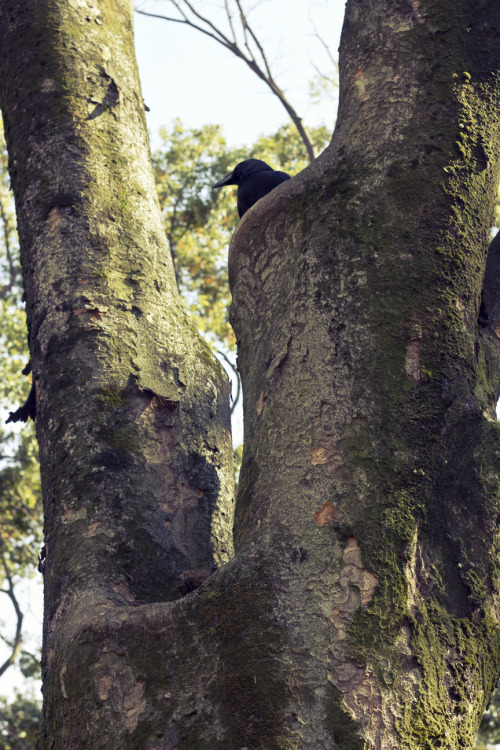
{"x": 242, "y": 170}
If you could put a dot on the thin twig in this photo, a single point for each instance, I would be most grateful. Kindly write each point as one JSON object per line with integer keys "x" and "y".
{"x": 245, "y": 23}
{"x": 230, "y": 20}
{"x": 327, "y": 49}
{"x": 179, "y": 20}
{"x": 195, "y": 13}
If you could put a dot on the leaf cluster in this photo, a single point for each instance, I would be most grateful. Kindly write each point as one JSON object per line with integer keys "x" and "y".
{"x": 488, "y": 735}
{"x": 19, "y": 722}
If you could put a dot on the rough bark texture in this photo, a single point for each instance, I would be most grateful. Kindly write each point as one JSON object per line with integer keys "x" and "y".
{"x": 372, "y": 448}
{"x": 361, "y": 608}
{"x": 132, "y": 408}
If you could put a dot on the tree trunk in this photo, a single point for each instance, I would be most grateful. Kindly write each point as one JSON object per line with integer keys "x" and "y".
{"x": 132, "y": 407}
{"x": 371, "y": 456}
{"x": 361, "y": 607}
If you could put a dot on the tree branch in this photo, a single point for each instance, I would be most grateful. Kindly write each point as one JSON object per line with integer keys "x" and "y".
{"x": 13, "y": 269}
{"x": 238, "y": 380}
{"x": 10, "y": 593}
{"x": 246, "y": 26}
{"x": 325, "y": 46}
{"x": 230, "y": 19}
{"x": 264, "y": 74}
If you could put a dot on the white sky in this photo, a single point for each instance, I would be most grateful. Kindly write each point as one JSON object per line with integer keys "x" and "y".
{"x": 187, "y": 75}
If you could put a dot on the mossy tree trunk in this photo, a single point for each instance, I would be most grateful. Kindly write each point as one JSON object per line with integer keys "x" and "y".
{"x": 133, "y": 415}
{"x": 361, "y": 606}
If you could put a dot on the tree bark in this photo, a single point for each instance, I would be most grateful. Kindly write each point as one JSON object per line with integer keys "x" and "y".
{"x": 371, "y": 449}
{"x": 361, "y": 607}
{"x": 133, "y": 415}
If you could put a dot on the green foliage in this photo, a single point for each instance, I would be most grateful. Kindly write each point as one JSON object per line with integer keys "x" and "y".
{"x": 20, "y": 496}
{"x": 20, "y": 493}
{"x": 488, "y": 735}
{"x": 20, "y": 502}
{"x": 198, "y": 221}
{"x": 497, "y": 209}
{"x": 29, "y": 664}
{"x": 19, "y": 721}
{"x": 13, "y": 348}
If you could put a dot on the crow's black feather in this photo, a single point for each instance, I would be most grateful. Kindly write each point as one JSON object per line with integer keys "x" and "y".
{"x": 255, "y": 179}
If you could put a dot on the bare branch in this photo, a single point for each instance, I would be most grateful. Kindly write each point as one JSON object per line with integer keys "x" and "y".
{"x": 10, "y": 593}
{"x": 238, "y": 380}
{"x": 246, "y": 25}
{"x": 324, "y": 77}
{"x": 264, "y": 74}
{"x": 327, "y": 49}
{"x": 179, "y": 20}
{"x": 209, "y": 23}
{"x": 230, "y": 19}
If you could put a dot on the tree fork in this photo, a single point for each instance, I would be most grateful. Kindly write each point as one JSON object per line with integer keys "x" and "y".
{"x": 360, "y": 607}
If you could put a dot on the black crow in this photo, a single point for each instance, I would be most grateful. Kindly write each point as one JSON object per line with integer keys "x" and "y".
{"x": 255, "y": 179}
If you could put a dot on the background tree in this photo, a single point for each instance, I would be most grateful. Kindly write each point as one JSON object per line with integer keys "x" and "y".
{"x": 20, "y": 499}
{"x": 20, "y": 495}
{"x": 380, "y": 599}
{"x": 19, "y": 722}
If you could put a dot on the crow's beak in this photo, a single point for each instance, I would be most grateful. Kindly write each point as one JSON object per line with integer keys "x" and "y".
{"x": 227, "y": 180}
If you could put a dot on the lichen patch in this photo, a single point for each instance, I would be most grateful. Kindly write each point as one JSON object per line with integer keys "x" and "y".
{"x": 61, "y": 680}
{"x": 361, "y": 694}
{"x": 134, "y": 704}
{"x": 104, "y": 686}
{"x": 412, "y": 363}
{"x": 90, "y": 313}
{"x": 368, "y": 584}
{"x": 326, "y": 455}
{"x": 361, "y": 83}
{"x": 327, "y": 514}
{"x": 122, "y": 589}
{"x": 356, "y": 587}
{"x": 54, "y": 218}
{"x": 71, "y": 515}
{"x": 260, "y": 403}
{"x": 96, "y": 527}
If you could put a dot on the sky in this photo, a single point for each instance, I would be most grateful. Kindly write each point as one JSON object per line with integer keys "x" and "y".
{"x": 189, "y": 76}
